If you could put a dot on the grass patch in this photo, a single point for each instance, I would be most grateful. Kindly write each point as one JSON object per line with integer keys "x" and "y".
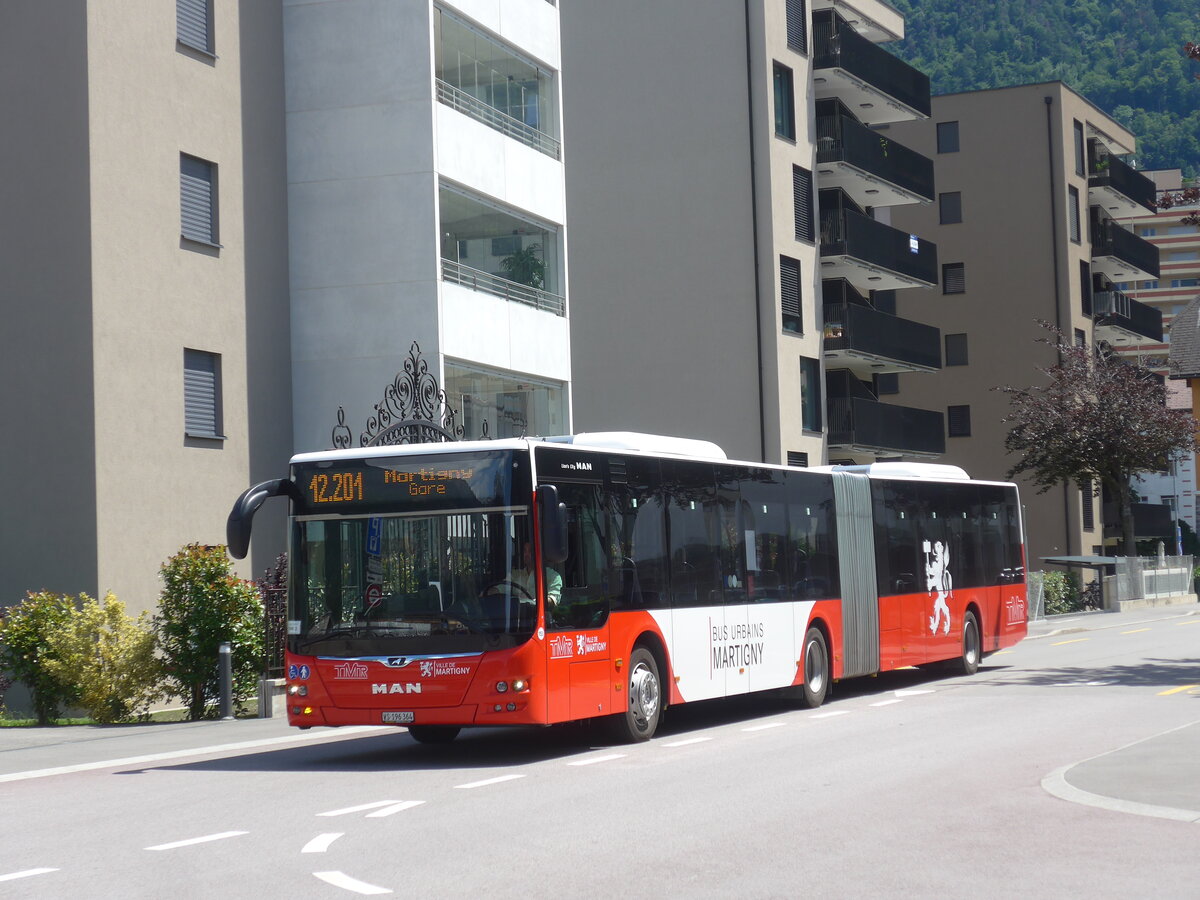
{"x": 159, "y": 716}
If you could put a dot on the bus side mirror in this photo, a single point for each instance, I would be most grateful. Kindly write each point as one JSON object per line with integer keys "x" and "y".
{"x": 553, "y": 517}
{"x": 241, "y": 517}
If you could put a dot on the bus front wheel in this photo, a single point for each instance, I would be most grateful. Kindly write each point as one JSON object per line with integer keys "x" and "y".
{"x": 433, "y": 734}
{"x": 816, "y": 668}
{"x": 643, "y": 706}
{"x": 972, "y": 645}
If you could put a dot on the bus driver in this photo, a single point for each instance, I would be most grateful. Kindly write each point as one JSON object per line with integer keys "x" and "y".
{"x": 526, "y": 578}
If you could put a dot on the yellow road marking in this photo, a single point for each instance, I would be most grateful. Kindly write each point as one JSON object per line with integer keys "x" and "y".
{"x": 1001, "y": 652}
{"x": 1177, "y": 690}
{"x": 1191, "y": 622}
{"x": 1135, "y": 631}
{"x": 1072, "y": 641}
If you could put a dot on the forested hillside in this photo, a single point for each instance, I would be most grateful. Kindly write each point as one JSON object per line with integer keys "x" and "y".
{"x": 1124, "y": 55}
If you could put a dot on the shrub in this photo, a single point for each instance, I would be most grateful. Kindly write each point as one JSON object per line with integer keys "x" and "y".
{"x": 25, "y": 649}
{"x": 109, "y": 659}
{"x": 1061, "y": 592}
{"x": 202, "y": 606}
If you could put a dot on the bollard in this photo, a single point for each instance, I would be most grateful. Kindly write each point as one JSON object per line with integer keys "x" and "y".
{"x": 226, "y": 673}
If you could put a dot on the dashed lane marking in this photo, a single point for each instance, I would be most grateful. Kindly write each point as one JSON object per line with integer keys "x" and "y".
{"x": 684, "y": 743}
{"x": 197, "y": 840}
{"x": 888, "y": 702}
{"x": 321, "y": 842}
{"x": 1002, "y": 653}
{"x": 1177, "y": 690}
{"x": 344, "y": 881}
{"x": 914, "y": 693}
{"x": 1135, "y": 631}
{"x": 592, "y": 760}
{"x": 1071, "y": 641}
{"x": 394, "y": 808}
{"x": 478, "y": 784}
{"x": 359, "y": 808}
{"x": 1189, "y": 622}
{"x": 830, "y": 714}
{"x": 25, "y": 873}
{"x": 765, "y": 726}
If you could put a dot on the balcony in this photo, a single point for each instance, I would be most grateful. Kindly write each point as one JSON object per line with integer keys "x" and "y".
{"x": 456, "y": 273}
{"x": 1123, "y": 321}
{"x": 870, "y": 342}
{"x": 460, "y": 100}
{"x": 1115, "y": 185}
{"x": 869, "y": 166}
{"x": 876, "y": 86}
{"x": 869, "y": 254}
{"x": 1120, "y": 254}
{"x": 861, "y": 425}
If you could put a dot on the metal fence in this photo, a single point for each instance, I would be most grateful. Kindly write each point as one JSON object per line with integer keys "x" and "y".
{"x": 1153, "y": 577}
{"x": 274, "y": 630}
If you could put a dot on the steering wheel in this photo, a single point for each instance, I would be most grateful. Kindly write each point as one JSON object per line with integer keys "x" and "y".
{"x": 512, "y": 587}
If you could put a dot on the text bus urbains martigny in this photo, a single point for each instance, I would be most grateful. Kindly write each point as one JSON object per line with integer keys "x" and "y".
{"x": 536, "y": 581}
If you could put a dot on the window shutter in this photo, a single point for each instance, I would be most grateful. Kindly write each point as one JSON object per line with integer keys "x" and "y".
{"x": 954, "y": 278}
{"x": 1089, "y": 511}
{"x": 192, "y": 23}
{"x": 196, "y": 199}
{"x": 802, "y": 199}
{"x": 789, "y": 294}
{"x": 958, "y": 419}
{"x": 956, "y": 349}
{"x": 797, "y": 459}
{"x": 797, "y": 25}
{"x": 201, "y": 406}
{"x": 1073, "y": 213}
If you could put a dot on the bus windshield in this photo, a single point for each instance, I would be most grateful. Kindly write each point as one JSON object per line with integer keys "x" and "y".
{"x": 391, "y": 585}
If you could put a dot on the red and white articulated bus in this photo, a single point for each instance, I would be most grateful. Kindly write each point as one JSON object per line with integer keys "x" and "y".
{"x": 536, "y": 581}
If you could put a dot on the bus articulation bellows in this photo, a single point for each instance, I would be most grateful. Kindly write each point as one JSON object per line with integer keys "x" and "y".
{"x": 537, "y": 581}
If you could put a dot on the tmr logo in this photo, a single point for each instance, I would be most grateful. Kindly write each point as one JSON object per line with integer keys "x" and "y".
{"x": 396, "y": 687}
{"x": 561, "y": 646}
{"x": 352, "y": 670}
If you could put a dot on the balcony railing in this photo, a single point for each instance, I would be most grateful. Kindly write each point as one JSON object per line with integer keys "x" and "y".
{"x": 1108, "y": 171}
{"x": 838, "y": 46}
{"x": 493, "y": 118}
{"x": 1119, "y": 310}
{"x": 856, "y": 423}
{"x": 847, "y": 233}
{"x": 843, "y": 139}
{"x": 457, "y": 273}
{"x": 1110, "y": 239}
{"x": 887, "y": 343}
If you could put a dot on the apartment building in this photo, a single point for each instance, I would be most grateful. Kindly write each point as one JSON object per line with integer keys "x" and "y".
{"x": 733, "y": 269}
{"x": 426, "y": 210}
{"x": 1032, "y": 185}
{"x": 143, "y": 246}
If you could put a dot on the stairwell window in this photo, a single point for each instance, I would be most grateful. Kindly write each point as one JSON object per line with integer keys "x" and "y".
{"x": 802, "y": 200}
{"x": 956, "y": 349}
{"x": 958, "y": 421}
{"x": 947, "y": 137}
{"x": 954, "y": 278}
{"x": 1073, "y": 214}
{"x": 198, "y": 199}
{"x": 950, "y": 208}
{"x": 785, "y": 104}
{"x": 810, "y": 394}
{"x": 797, "y": 25}
{"x": 193, "y": 24}
{"x": 789, "y": 294}
{"x": 202, "y": 395}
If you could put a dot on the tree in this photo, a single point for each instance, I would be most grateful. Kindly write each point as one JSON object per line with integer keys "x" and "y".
{"x": 25, "y": 650}
{"x": 1099, "y": 421}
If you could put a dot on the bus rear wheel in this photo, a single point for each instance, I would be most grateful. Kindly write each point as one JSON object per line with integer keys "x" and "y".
{"x": 643, "y": 707}
{"x": 972, "y": 645}
{"x": 433, "y": 734}
{"x": 816, "y": 668}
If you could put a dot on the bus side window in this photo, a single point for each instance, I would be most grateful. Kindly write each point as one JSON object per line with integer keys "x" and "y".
{"x": 586, "y": 592}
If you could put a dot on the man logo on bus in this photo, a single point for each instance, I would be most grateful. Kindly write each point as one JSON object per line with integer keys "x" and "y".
{"x": 939, "y": 581}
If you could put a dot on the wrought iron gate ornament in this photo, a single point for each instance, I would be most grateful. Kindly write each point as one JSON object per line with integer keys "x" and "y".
{"x": 413, "y": 411}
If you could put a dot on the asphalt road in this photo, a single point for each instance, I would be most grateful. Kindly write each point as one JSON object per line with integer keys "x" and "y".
{"x": 1066, "y": 767}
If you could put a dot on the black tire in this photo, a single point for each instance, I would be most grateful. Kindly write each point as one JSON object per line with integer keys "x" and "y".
{"x": 643, "y": 705}
{"x": 816, "y": 668}
{"x": 972, "y": 645}
{"x": 433, "y": 734}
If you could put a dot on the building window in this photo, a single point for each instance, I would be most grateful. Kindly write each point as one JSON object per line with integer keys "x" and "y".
{"x": 1085, "y": 286}
{"x": 510, "y": 404}
{"x": 956, "y": 349}
{"x": 202, "y": 394}
{"x": 1089, "y": 511}
{"x": 797, "y": 25}
{"x": 954, "y": 278}
{"x": 193, "y": 24}
{"x": 198, "y": 199}
{"x": 1148, "y": 231}
{"x": 810, "y": 393}
{"x": 802, "y": 199}
{"x": 1184, "y": 282}
{"x": 1181, "y": 229}
{"x": 1080, "y": 338}
{"x": 1181, "y": 255}
{"x": 958, "y": 421}
{"x": 887, "y": 383}
{"x": 789, "y": 294}
{"x": 947, "y": 137}
{"x": 797, "y": 459}
{"x": 1073, "y": 214}
{"x": 950, "y": 207}
{"x": 1077, "y": 127}
{"x": 785, "y": 106}
{"x": 1150, "y": 285}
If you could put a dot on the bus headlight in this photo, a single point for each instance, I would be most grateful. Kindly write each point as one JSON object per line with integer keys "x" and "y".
{"x": 298, "y": 690}
{"x": 520, "y": 684}
{"x": 501, "y": 687}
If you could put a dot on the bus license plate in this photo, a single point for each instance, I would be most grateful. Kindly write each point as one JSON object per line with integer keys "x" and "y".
{"x": 397, "y": 718}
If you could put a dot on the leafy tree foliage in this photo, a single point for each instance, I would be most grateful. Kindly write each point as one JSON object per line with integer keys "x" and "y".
{"x": 26, "y": 650}
{"x": 1123, "y": 55}
{"x": 202, "y": 606}
{"x": 1099, "y": 420}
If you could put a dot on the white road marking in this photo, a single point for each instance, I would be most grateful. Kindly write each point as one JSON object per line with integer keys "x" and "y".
{"x": 913, "y": 693}
{"x": 342, "y": 880}
{"x": 359, "y": 808}
{"x": 888, "y": 702}
{"x": 199, "y": 751}
{"x": 394, "y": 808}
{"x": 198, "y": 840}
{"x": 830, "y": 714}
{"x": 684, "y": 743}
{"x": 321, "y": 842}
{"x": 497, "y": 780}
{"x": 596, "y": 759}
{"x": 765, "y": 726}
{"x": 25, "y": 873}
